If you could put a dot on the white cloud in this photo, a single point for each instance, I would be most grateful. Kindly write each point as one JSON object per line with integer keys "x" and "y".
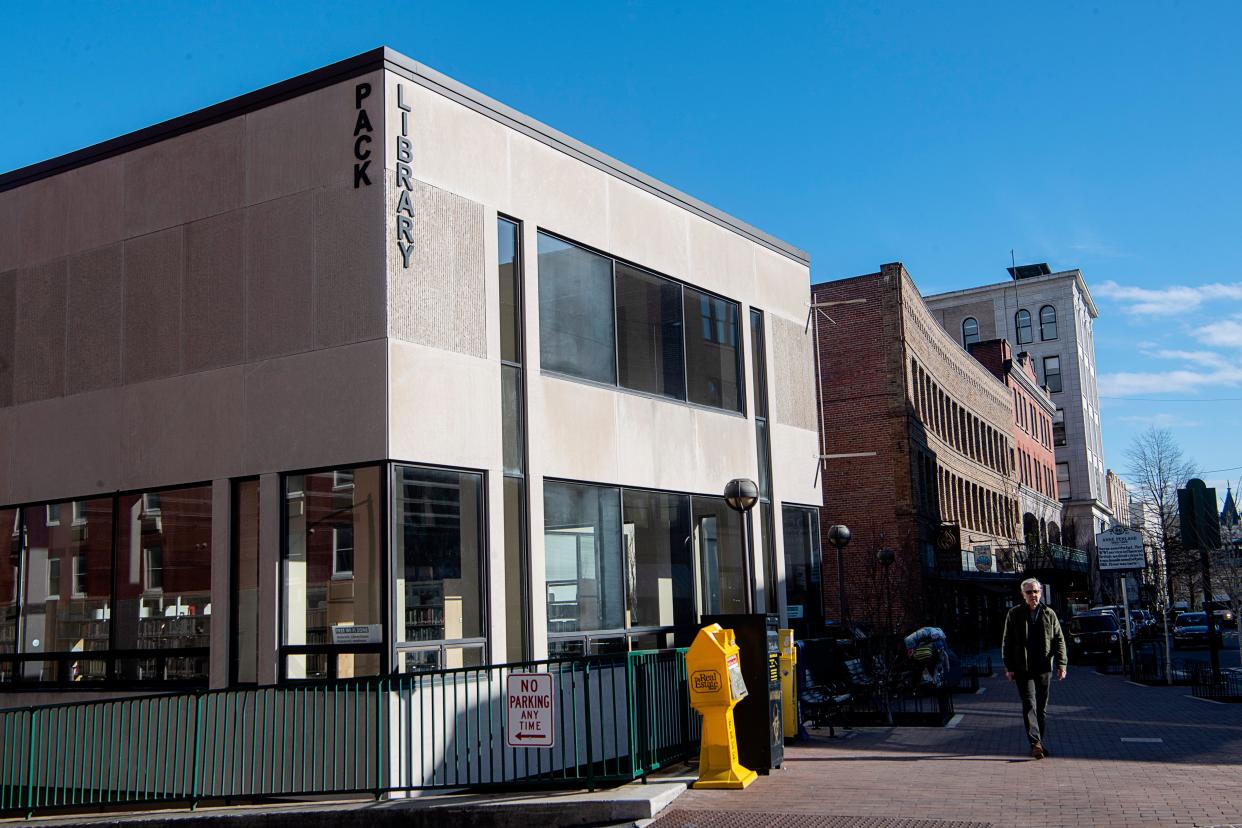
{"x": 1208, "y": 359}
{"x": 1160, "y": 420}
{"x": 1184, "y": 380}
{"x": 1174, "y": 300}
{"x": 1226, "y": 334}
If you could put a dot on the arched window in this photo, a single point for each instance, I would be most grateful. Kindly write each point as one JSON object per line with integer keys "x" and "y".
{"x": 1022, "y": 319}
{"x": 1047, "y": 323}
{"x": 970, "y": 331}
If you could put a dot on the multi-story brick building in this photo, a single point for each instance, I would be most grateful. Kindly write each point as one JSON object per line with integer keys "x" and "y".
{"x": 1118, "y": 498}
{"x": 1050, "y": 316}
{"x": 918, "y": 440}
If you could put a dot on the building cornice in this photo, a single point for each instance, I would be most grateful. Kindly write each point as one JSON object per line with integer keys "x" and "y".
{"x": 384, "y": 58}
{"x": 1051, "y": 277}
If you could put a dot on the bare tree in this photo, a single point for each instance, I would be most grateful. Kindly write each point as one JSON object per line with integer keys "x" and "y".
{"x": 1157, "y": 468}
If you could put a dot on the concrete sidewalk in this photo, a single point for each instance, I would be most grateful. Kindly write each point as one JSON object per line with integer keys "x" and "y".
{"x": 1124, "y": 755}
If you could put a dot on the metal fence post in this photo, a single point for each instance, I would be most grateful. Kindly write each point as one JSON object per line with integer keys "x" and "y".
{"x": 30, "y": 763}
{"x": 197, "y": 733}
{"x": 590, "y": 753}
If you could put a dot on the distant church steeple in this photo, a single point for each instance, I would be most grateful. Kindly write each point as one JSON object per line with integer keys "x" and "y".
{"x": 1229, "y": 514}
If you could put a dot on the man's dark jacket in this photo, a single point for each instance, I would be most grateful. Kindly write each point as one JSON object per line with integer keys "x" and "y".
{"x": 1047, "y": 650}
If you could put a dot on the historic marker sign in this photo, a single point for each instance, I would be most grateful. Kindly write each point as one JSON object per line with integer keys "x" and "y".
{"x": 528, "y": 699}
{"x": 1120, "y": 548}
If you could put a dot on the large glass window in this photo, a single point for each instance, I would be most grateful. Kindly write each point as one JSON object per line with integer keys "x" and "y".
{"x": 720, "y": 547}
{"x": 163, "y": 583}
{"x": 649, "y": 335}
{"x": 582, "y": 551}
{"x": 576, "y": 333}
{"x": 658, "y": 559}
{"x": 10, "y": 574}
{"x": 970, "y": 331}
{"x": 1047, "y": 323}
{"x": 333, "y": 625}
{"x": 713, "y": 351}
{"x": 245, "y": 650}
{"x": 610, "y": 322}
{"x": 438, "y": 564}
{"x": 66, "y": 610}
{"x": 803, "y": 575}
{"x": 1022, "y": 321}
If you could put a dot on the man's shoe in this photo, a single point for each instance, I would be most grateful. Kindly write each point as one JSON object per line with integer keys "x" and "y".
{"x": 1047, "y": 753}
{"x": 1037, "y": 751}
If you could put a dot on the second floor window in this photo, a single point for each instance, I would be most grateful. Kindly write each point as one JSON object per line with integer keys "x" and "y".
{"x": 1047, "y": 323}
{"x": 1022, "y": 321}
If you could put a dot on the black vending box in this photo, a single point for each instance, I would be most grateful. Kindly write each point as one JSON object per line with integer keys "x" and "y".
{"x": 758, "y": 718}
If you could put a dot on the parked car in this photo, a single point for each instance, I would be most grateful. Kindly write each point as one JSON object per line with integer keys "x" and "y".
{"x": 1191, "y": 630}
{"x": 1094, "y": 634}
{"x": 1118, "y": 612}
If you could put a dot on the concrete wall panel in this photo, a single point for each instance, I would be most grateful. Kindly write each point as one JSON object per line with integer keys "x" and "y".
{"x": 573, "y": 427}
{"x": 308, "y": 141}
{"x": 455, "y": 148}
{"x": 84, "y": 429}
{"x": 648, "y": 230}
{"x": 153, "y": 269}
{"x": 6, "y": 455}
{"x": 213, "y": 322}
{"x": 720, "y": 260}
{"x": 558, "y": 193}
{"x": 9, "y": 206}
{"x": 791, "y": 373}
{"x": 725, "y": 450}
{"x": 8, "y": 333}
{"x": 322, "y": 408}
{"x": 443, "y": 408}
{"x": 781, "y": 286}
{"x": 40, "y": 332}
{"x": 795, "y": 455}
{"x": 95, "y": 204}
{"x": 41, "y": 215}
{"x": 657, "y": 441}
{"x": 350, "y": 293}
{"x": 279, "y": 277}
{"x": 189, "y": 177}
{"x": 441, "y": 299}
{"x": 93, "y": 353}
{"x": 182, "y": 429}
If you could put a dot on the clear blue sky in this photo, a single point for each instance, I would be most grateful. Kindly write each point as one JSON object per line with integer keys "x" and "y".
{"x": 1102, "y": 136}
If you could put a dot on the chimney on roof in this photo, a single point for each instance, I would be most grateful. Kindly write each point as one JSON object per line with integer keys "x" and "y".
{"x": 1028, "y": 271}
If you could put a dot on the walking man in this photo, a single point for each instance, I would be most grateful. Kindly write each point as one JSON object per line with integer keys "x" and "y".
{"x": 1032, "y": 648}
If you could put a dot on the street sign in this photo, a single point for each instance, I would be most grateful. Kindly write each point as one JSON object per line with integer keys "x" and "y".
{"x": 1120, "y": 548}
{"x": 528, "y": 700}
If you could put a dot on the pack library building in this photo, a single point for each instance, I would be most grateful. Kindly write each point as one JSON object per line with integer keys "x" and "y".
{"x": 366, "y": 372}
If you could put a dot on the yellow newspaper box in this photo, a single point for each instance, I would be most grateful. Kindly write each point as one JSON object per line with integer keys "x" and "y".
{"x": 789, "y": 689}
{"x": 716, "y": 686}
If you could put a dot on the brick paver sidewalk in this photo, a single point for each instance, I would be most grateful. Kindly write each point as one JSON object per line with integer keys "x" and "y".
{"x": 1106, "y": 769}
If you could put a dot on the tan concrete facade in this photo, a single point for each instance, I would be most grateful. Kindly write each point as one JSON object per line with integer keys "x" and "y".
{"x": 231, "y": 301}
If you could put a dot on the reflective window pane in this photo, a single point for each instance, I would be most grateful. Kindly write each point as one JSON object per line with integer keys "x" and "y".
{"x": 163, "y": 580}
{"x": 576, "y": 333}
{"x": 713, "y": 355}
{"x": 10, "y": 558}
{"x": 803, "y": 569}
{"x": 513, "y": 430}
{"x": 516, "y": 575}
{"x": 582, "y": 551}
{"x": 331, "y": 581}
{"x": 649, "y": 337}
{"x": 759, "y": 372}
{"x": 246, "y": 579}
{"x": 67, "y": 570}
{"x": 437, "y": 560}
{"x": 659, "y": 559}
{"x": 719, "y": 556}
{"x": 510, "y": 292}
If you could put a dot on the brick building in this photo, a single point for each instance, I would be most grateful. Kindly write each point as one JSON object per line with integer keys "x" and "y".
{"x": 918, "y": 438}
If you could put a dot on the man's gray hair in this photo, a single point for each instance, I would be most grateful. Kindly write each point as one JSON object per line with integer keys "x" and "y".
{"x": 1034, "y": 581}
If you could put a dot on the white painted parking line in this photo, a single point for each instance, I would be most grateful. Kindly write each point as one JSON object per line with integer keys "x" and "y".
{"x": 956, "y": 720}
{"x": 1209, "y": 701}
{"x": 1151, "y": 740}
{"x": 1136, "y": 684}
{"x": 981, "y": 691}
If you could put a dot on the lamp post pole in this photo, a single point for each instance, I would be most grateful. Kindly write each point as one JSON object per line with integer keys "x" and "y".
{"x": 741, "y": 494}
{"x": 839, "y": 536}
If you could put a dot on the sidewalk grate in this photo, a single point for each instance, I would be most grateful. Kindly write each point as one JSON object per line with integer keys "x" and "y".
{"x": 683, "y": 818}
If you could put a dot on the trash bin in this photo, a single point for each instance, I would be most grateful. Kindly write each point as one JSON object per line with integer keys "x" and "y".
{"x": 759, "y": 717}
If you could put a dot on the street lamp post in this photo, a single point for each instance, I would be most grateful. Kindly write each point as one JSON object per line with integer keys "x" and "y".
{"x": 741, "y": 494}
{"x": 839, "y": 536}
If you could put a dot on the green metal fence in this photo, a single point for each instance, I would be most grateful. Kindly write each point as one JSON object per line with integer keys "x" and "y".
{"x": 616, "y": 718}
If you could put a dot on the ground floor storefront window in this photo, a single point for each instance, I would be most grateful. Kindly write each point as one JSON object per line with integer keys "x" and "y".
{"x": 636, "y": 568}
